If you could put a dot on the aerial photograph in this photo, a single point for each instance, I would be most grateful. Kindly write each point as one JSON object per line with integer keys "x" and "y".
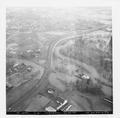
{"x": 59, "y": 60}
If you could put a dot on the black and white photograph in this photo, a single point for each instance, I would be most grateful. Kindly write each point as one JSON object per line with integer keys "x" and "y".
{"x": 59, "y": 60}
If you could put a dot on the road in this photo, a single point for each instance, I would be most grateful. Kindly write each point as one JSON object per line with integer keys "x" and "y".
{"x": 74, "y": 37}
{"x": 95, "y": 76}
{"x": 18, "y": 105}
{"x": 89, "y": 68}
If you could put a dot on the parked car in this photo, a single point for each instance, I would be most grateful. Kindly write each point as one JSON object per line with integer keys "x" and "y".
{"x": 51, "y": 91}
{"x": 29, "y": 68}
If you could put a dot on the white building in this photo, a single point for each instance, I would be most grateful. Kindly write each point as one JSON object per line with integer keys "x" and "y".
{"x": 51, "y": 109}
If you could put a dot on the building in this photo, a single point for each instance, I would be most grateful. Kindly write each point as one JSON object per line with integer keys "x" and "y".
{"x": 50, "y": 109}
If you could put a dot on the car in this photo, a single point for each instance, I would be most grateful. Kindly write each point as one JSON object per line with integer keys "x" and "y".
{"x": 51, "y": 91}
{"x": 29, "y": 68}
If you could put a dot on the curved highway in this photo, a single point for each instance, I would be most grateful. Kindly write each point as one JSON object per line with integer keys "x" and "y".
{"x": 89, "y": 68}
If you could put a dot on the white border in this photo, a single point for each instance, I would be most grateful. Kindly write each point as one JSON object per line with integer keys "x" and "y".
{"x": 62, "y": 3}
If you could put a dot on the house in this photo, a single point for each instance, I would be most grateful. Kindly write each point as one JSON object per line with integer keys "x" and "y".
{"x": 50, "y": 109}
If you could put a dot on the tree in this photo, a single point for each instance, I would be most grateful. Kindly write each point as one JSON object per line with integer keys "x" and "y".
{"x": 87, "y": 86}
